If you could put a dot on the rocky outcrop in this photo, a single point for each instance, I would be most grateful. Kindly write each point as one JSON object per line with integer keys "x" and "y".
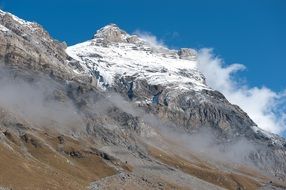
{"x": 158, "y": 81}
{"x": 187, "y": 53}
{"x": 35, "y": 35}
{"x": 26, "y": 45}
{"x": 176, "y": 94}
{"x": 190, "y": 109}
{"x": 113, "y": 34}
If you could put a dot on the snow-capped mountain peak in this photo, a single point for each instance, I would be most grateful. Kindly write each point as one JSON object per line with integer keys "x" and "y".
{"x": 50, "y": 104}
{"x": 111, "y": 33}
{"x": 17, "y": 19}
{"x": 113, "y": 52}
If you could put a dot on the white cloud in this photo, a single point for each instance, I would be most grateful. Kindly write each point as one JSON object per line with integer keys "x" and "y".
{"x": 150, "y": 38}
{"x": 263, "y": 105}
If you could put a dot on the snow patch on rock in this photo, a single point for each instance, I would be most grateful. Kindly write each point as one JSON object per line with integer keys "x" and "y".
{"x": 139, "y": 62}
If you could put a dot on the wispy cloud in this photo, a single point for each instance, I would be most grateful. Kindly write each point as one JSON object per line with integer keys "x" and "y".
{"x": 150, "y": 38}
{"x": 264, "y": 106}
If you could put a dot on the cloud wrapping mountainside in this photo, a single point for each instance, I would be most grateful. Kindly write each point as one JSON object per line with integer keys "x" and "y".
{"x": 263, "y": 105}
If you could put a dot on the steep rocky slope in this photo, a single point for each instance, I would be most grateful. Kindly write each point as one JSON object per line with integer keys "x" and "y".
{"x": 168, "y": 83}
{"x": 159, "y": 76}
{"x": 117, "y": 111}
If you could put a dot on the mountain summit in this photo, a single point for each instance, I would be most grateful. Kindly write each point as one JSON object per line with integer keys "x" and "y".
{"x": 117, "y": 111}
{"x": 112, "y": 33}
{"x": 111, "y": 55}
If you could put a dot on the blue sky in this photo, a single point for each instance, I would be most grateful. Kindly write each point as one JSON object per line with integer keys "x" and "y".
{"x": 243, "y": 31}
{"x": 249, "y": 32}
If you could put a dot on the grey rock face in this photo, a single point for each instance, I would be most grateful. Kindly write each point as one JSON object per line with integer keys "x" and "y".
{"x": 111, "y": 33}
{"x": 133, "y": 39}
{"x": 191, "y": 109}
{"x": 271, "y": 159}
{"x": 187, "y": 53}
{"x": 32, "y": 33}
{"x": 27, "y": 45}
{"x": 28, "y": 49}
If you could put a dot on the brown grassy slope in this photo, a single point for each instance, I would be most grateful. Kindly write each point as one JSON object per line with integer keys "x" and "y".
{"x": 214, "y": 176}
{"x": 37, "y": 164}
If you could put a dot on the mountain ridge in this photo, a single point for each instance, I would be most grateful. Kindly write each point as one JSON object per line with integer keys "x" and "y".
{"x": 130, "y": 98}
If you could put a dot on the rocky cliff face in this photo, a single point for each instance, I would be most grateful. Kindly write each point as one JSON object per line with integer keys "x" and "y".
{"x": 112, "y": 99}
{"x": 168, "y": 84}
{"x": 167, "y": 80}
{"x": 27, "y": 45}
